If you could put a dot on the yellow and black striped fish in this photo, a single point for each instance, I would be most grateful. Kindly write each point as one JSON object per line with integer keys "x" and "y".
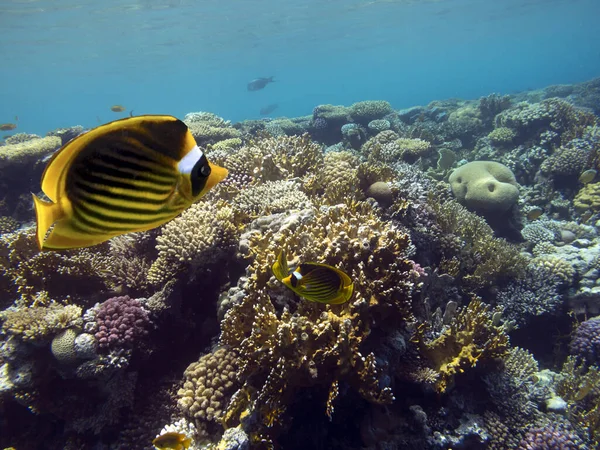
{"x": 315, "y": 282}
{"x": 129, "y": 175}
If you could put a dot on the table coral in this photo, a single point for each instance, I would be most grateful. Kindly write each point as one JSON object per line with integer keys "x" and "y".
{"x": 309, "y": 344}
{"x": 28, "y": 152}
{"x": 39, "y": 323}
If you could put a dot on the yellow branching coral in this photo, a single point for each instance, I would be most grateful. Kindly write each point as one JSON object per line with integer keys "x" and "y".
{"x": 39, "y": 323}
{"x": 472, "y": 336}
{"x": 60, "y": 275}
{"x": 308, "y": 344}
{"x": 201, "y": 235}
{"x": 580, "y": 388}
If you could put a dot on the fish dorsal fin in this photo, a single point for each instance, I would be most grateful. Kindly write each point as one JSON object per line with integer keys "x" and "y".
{"x": 54, "y": 177}
{"x": 280, "y": 267}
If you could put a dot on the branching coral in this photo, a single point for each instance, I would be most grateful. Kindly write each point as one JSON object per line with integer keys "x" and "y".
{"x": 472, "y": 336}
{"x": 269, "y": 198}
{"x": 39, "y": 323}
{"x": 479, "y": 257}
{"x": 580, "y": 388}
{"x": 202, "y": 235}
{"x": 311, "y": 345}
{"x": 209, "y": 128}
{"x": 38, "y": 275}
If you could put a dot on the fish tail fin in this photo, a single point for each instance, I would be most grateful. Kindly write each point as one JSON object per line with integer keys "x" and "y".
{"x": 47, "y": 213}
{"x": 280, "y": 267}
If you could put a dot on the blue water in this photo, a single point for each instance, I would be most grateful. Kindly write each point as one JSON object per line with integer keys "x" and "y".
{"x": 65, "y": 62}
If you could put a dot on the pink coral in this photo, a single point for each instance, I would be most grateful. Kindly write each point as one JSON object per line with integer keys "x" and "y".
{"x": 120, "y": 322}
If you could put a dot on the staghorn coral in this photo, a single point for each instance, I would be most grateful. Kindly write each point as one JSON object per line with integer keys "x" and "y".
{"x": 119, "y": 322}
{"x": 201, "y": 236}
{"x": 472, "y": 336}
{"x": 303, "y": 344}
{"x": 39, "y": 323}
{"x": 208, "y": 385}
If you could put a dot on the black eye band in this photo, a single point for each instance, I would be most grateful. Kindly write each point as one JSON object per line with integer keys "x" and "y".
{"x": 199, "y": 175}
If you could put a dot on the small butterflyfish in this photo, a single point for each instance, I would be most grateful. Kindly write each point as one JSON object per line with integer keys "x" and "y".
{"x": 172, "y": 441}
{"x": 8, "y": 126}
{"x": 316, "y": 282}
{"x": 129, "y": 175}
{"x": 117, "y": 108}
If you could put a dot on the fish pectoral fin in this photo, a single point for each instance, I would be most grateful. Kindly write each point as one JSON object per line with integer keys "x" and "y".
{"x": 47, "y": 213}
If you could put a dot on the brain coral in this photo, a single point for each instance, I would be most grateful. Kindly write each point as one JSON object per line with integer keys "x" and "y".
{"x": 485, "y": 186}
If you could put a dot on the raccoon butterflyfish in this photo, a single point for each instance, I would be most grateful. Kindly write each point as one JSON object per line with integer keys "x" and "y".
{"x": 8, "y": 126}
{"x": 129, "y": 175}
{"x": 320, "y": 283}
{"x": 117, "y": 108}
{"x": 172, "y": 441}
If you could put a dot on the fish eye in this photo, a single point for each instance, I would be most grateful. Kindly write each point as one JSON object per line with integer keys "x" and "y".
{"x": 199, "y": 175}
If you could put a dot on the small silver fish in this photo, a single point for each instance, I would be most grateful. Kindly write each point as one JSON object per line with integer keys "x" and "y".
{"x": 259, "y": 83}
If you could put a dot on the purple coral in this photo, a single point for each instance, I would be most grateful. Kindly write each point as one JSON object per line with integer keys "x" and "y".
{"x": 120, "y": 322}
{"x": 586, "y": 341}
{"x": 551, "y": 437}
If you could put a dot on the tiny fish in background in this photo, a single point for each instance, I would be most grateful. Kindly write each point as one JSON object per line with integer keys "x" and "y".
{"x": 320, "y": 283}
{"x": 8, "y": 126}
{"x": 172, "y": 441}
{"x": 129, "y": 175}
{"x": 268, "y": 109}
{"x": 259, "y": 83}
{"x": 117, "y": 108}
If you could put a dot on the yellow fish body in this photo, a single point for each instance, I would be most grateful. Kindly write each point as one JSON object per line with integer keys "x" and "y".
{"x": 172, "y": 441}
{"x": 129, "y": 175}
{"x": 320, "y": 283}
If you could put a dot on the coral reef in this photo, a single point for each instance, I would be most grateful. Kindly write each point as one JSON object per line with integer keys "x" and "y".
{"x": 185, "y": 329}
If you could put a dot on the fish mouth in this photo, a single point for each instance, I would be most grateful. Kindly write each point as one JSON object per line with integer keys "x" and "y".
{"x": 217, "y": 174}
